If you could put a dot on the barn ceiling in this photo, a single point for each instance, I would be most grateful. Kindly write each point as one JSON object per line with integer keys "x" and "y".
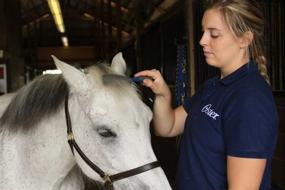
{"x": 88, "y": 22}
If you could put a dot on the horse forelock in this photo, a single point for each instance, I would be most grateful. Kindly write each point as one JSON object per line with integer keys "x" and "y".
{"x": 113, "y": 81}
{"x": 34, "y": 102}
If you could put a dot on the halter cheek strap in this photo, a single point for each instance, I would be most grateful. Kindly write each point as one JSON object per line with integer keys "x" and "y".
{"x": 107, "y": 179}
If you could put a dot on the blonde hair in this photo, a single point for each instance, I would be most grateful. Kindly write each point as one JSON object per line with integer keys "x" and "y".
{"x": 243, "y": 16}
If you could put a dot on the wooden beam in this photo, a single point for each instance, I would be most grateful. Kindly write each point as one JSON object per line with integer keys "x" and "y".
{"x": 114, "y": 5}
{"x": 114, "y": 28}
{"x": 72, "y": 55}
{"x": 160, "y": 10}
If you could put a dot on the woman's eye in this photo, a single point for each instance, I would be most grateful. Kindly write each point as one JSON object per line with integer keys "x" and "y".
{"x": 107, "y": 133}
{"x": 214, "y": 36}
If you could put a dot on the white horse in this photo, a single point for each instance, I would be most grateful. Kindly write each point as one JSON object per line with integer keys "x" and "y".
{"x": 107, "y": 121}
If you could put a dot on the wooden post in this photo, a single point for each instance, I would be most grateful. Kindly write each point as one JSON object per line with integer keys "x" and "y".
{"x": 102, "y": 31}
{"x": 98, "y": 32}
{"x": 139, "y": 26}
{"x": 191, "y": 51}
{"x": 109, "y": 35}
{"x": 119, "y": 25}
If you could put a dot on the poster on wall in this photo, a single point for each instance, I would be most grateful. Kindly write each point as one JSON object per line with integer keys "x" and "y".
{"x": 3, "y": 79}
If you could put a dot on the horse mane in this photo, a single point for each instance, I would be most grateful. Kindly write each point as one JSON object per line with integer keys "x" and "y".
{"x": 35, "y": 101}
{"x": 45, "y": 95}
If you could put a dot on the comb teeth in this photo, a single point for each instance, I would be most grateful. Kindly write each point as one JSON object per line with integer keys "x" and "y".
{"x": 110, "y": 77}
{"x": 138, "y": 80}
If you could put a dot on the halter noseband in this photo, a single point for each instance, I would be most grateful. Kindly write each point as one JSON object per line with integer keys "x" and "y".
{"x": 107, "y": 179}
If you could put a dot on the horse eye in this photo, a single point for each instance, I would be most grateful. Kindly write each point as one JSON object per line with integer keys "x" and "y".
{"x": 107, "y": 133}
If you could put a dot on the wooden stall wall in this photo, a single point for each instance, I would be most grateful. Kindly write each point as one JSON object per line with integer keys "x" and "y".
{"x": 275, "y": 41}
{"x": 275, "y": 38}
{"x": 158, "y": 50}
{"x": 278, "y": 164}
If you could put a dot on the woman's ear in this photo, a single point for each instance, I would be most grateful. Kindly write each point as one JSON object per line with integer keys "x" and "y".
{"x": 246, "y": 39}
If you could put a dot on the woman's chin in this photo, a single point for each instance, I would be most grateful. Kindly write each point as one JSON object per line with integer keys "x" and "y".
{"x": 210, "y": 62}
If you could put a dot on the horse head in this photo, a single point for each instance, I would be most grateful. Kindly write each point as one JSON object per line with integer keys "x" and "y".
{"x": 110, "y": 124}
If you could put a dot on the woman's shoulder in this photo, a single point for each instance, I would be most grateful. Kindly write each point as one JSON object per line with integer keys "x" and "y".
{"x": 250, "y": 95}
{"x": 253, "y": 84}
{"x": 252, "y": 90}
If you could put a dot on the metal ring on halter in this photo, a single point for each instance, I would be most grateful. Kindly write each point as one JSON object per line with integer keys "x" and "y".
{"x": 107, "y": 179}
{"x": 108, "y": 183}
{"x": 70, "y": 136}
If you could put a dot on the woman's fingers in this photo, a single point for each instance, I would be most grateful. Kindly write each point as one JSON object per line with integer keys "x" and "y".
{"x": 154, "y": 81}
{"x": 149, "y": 74}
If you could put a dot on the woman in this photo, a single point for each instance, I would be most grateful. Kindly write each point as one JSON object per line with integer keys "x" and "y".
{"x": 229, "y": 127}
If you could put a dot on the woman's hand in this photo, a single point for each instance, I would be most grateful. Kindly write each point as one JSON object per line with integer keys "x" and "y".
{"x": 168, "y": 122}
{"x": 155, "y": 82}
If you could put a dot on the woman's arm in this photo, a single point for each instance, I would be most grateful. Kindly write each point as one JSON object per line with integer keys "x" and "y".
{"x": 245, "y": 173}
{"x": 168, "y": 122}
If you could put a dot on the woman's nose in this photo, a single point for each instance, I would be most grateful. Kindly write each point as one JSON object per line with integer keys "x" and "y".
{"x": 202, "y": 41}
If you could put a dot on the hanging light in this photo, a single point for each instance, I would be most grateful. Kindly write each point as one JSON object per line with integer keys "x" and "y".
{"x": 55, "y": 9}
{"x": 64, "y": 40}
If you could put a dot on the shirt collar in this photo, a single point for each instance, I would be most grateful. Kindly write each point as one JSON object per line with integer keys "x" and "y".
{"x": 247, "y": 68}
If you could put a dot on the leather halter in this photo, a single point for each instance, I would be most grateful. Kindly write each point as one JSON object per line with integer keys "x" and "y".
{"x": 107, "y": 179}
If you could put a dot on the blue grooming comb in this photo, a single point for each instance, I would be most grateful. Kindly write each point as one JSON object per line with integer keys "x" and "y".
{"x": 137, "y": 80}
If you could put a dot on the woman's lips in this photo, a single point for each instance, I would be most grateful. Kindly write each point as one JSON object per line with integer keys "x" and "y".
{"x": 207, "y": 53}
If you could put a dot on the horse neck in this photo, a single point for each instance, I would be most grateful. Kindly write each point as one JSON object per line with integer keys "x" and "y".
{"x": 40, "y": 155}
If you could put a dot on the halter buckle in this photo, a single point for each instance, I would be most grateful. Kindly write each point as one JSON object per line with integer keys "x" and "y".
{"x": 70, "y": 136}
{"x": 107, "y": 179}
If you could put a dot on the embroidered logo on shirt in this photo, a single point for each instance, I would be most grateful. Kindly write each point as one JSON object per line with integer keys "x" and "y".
{"x": 210, "y": 112}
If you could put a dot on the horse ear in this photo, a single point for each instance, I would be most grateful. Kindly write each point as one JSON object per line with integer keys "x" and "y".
{"x": 119, "y": 65}
{"x": 75, "y": 78}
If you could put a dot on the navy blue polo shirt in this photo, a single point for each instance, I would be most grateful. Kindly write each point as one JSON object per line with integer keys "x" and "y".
{"x": 233, "y": 116}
